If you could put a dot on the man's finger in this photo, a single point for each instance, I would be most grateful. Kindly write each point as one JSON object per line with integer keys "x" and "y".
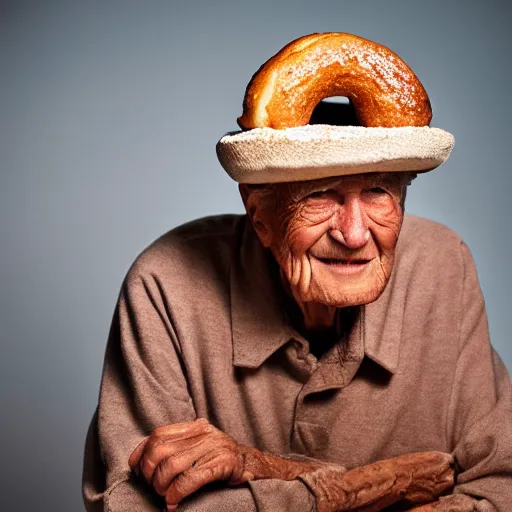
{"x": 189, "y": 482}
{"x": 157, "y": 450}
{"x": 183, "y": 430}
{"x": 137, "y": 454}
{"x": 170, "y": 467}
{"x": 166, "y": 441}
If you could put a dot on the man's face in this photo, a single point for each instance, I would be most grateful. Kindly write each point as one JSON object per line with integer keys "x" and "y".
{"x": 333, "y": 238}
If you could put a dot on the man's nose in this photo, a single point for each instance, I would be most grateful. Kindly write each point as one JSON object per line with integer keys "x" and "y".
{"x": 350, "y": 225}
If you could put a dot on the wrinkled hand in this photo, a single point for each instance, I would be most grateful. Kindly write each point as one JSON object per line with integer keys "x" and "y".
{"x": 179, "y": 459}
{"x": 414, "y": 478}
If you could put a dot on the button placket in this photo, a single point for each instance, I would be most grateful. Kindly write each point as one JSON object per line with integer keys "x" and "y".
{"x": 310, "y": 433}
{"x": 315, "y": 412}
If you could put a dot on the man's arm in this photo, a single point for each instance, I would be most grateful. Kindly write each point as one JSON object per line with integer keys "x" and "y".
{"x": 179, "y": 459}
{"x": 479, "y": 416}
{"x": 144, "y": 387}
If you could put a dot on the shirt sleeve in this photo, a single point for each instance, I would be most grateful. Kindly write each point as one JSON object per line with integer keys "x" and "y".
{"x": 480, "y": 410}
{"x": 144, "y": 386}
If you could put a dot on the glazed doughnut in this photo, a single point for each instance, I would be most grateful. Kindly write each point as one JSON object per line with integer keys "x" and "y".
{"x": 382, "y": 88}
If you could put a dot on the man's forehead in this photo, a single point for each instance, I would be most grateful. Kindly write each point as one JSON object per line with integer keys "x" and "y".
{"x": 365, "y": 180}
{"x": 358, "y": 178}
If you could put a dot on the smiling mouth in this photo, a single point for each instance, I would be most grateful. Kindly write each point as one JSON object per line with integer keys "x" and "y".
{"x": 346, "y": 266}
{"x": 343, "y": 261}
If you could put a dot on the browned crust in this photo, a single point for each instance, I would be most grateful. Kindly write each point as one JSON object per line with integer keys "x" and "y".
{"x": 383, "y": 89}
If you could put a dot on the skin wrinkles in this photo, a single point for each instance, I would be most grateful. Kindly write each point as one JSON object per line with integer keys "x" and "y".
{"x": 334, "y": 238}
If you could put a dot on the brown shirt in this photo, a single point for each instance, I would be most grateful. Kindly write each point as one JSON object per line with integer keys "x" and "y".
{"x": 202, "y": 330}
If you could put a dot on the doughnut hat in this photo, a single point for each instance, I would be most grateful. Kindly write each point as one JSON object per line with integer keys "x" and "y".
{"x": 290, "y": 134}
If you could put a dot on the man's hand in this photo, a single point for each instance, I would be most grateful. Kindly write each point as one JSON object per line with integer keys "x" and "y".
{"x": 179, "y": 459}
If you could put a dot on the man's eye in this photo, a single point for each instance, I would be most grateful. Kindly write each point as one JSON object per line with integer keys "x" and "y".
{"x": 318, "y": 193}
{"x": 377, "y": 190}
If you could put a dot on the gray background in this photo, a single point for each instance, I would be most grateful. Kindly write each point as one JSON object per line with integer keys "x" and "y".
{"x": 110, "y": 112}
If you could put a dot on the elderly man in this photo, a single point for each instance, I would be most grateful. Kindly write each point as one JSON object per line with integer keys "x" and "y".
{"x": 323, "y": 352}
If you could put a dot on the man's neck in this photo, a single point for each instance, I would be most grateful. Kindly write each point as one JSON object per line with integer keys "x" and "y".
{"x": 322, "y": 326}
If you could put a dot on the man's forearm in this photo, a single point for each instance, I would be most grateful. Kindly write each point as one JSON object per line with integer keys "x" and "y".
{"x": 260, "y": 465}
{"x": 414, "y": 478}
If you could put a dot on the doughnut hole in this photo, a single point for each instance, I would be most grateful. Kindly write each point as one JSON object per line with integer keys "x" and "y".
{"x": 336, "y": 111}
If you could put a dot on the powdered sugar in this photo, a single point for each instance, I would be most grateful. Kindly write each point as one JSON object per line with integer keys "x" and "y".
{"x": 389, "y": 72}
{"x": 320, "y": 132}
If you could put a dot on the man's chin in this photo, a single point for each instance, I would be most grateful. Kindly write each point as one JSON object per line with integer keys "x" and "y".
{"x": 348, "y": 291}
{"x": 348, "y": 299}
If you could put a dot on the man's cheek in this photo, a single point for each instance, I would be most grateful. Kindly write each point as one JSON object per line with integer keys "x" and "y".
{"x": 299, "y": 242}
{"x": 386, "y": 225}
{"x": 299, "y": 239}
{"x": 387, "y": 212}
{"x": 304, "y": 230}
{"x": 297, "y": 270}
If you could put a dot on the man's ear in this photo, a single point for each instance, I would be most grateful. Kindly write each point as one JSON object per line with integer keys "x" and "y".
{"x": 254, "y": 209}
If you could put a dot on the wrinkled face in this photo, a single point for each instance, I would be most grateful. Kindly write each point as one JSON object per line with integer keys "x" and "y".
{"x": 333, "y": 238}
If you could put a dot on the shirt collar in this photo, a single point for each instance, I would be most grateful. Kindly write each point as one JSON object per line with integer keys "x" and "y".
{"x": 382, "y": 328}
{"x": 259, "y": 323}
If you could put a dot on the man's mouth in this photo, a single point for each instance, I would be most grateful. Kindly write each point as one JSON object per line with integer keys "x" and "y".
{"x": 346, "y": 266}
{"x": 343, "y": 261}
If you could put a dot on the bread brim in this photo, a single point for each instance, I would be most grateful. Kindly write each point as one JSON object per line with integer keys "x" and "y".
{"x": 266, "y": 155}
